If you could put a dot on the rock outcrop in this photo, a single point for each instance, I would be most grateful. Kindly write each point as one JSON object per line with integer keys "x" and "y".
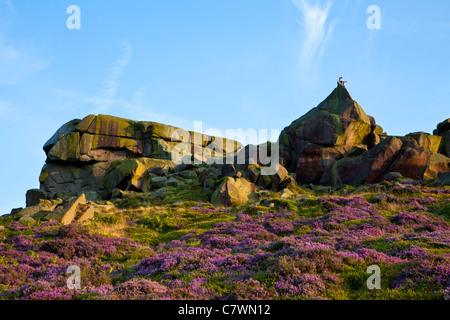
{"x": 80, "y": 154}
{"x": 233, "y": 191}
{"x": 132, "y": 174}
{"x": 443, "y": 130}
{"x": 431, "y": 142}
{"x": 74, "y": 209}
{"x": 338, "y": 143}
{"x": 367, "y": 167}
{"x": 338, "y": 127}
{"x": 334, "y": 144}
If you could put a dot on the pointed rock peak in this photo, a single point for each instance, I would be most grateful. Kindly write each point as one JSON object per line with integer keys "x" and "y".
{"x": 338, "y": 121}
{"x": 333, "y": 120}
{"x": 339, "y": 101}
{"x": 340, "y": 93}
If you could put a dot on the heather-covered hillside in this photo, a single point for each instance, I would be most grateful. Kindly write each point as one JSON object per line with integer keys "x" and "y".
{"x": 314, "y": 244}
{"x": 141, "y": 210}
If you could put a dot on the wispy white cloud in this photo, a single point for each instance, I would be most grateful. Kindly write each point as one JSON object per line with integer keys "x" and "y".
{"x": 7, "y": 11}
{"x": 17, "y": 60}
{"x": 9, "y": 112}
{"x": 368, "y": 46}
{"x": 108, "y": 99}
{"x": 356, "y": 7}
{"x": 111, "y": 82}
{"x": 4, "y": 107}
{"x": 105, "y": 98}
{"x": 317, "y": 32}
{"x": 139, "y": 108}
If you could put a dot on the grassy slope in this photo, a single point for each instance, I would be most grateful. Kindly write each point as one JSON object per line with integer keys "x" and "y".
{"x": 312, "y": 246}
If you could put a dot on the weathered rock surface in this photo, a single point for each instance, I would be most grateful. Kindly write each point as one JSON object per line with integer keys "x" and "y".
{"x": 75, "y": 209}
{"x": 315, "y": 160}
{"x": 328, "y": 132}
{"x": 367, "y": 167}
{"x": 337, "y": 143}
{"x": 41, "y": 208}
{"x": 427, "y": 141}
{"x": 333, "y": 144}
{"x": 233, "y": 191}
{"x": 132, "y": 174}
{"x": 81, "y": 152}
{"x": 443, "y": 130}
{"x": 444, "y": 178}
{"x": 271, "y": 181}
{"x": 391, "y": 176}
{"x": 446, "y": 143}
{"x": 442, "y": 127}
{"x": 337, "y": 121}
{"x": 286, "y": 193}
{"x": 33, "y": 197}
{"x": 412, "y": 161}
{"x": 438, "y": 164}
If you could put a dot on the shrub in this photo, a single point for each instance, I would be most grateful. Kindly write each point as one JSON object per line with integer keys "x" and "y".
{"x": 445, "y": 211}
{"x": 250, "y": 289}
{"x": 161, "y": 222}
{"x": 139, "y": 288}
{"x": 279, "y": 226}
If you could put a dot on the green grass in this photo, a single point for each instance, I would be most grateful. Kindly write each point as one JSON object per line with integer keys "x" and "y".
{"x": 142, "y": 235}
{"x": 109, "y": 219}
{"x": 381, "y": 245}
{"x": 355, "y": 286}
{"x": 152, "y": 221}
{"x": 172, "y": 222}
{"x": 191, "y": 192}
{"x": 444, "y": 212}
{"x": 355, "y": 223}
{"x": 285, "y": 204}
{"x": 256, "y": 210}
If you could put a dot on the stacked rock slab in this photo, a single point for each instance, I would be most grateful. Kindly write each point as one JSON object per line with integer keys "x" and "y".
{"x": 440, "y": 160}
{"x": 336, "y": 128}
{"x": 81, "y": 152}
{"x": 337, "y": 143}
{"x": 334, "y": 143}
{"x": 233, "y": 191}
{"x": 443, "y": 130}
{"x": 433, "y": 143}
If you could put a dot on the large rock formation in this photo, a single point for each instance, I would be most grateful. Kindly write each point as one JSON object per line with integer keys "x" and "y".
{"x": 338, "y": 127}
{"x": 81, "y": 153}
{"x": 337, "y": 121}
{"x": 338, "y": 143}
{"x": 335, "y": 143}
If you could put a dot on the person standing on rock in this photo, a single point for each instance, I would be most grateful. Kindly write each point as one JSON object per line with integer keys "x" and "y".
{"x": 341, "y": 82}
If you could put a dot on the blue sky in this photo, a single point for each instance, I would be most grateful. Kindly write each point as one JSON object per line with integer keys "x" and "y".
{"x": 230, "y": 63}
